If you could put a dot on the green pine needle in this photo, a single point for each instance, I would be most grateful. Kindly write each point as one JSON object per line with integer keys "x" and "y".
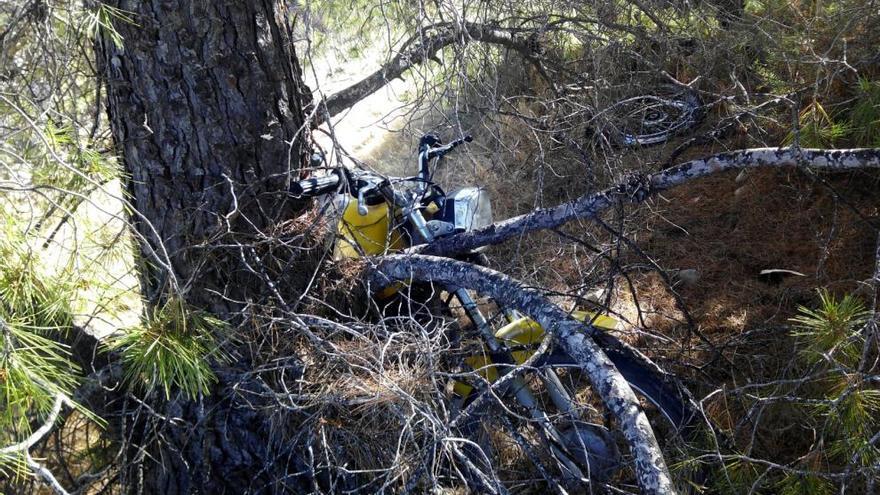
{"x": 173, "y": 349}
{"x": 832, "y": 329}
{"x": 865, "y": 114}
{"x": 34, "y": 367}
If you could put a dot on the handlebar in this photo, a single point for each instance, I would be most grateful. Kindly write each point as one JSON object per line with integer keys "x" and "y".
{"x": 442, "y": 150}
{"x": 315, "y": 186}
{"x": 427, "y": 153}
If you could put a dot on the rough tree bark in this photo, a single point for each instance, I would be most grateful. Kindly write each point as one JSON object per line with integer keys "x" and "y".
{"x": 206, "y": 106}
{"x": 206, "y": 103}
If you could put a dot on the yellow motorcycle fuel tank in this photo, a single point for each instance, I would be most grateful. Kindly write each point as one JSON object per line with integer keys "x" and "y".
{"x": 369, "y": 234}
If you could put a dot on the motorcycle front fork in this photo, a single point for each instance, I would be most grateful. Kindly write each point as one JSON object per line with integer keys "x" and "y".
{"x": 521, "y": 391}
{"x": 518, "y": 387}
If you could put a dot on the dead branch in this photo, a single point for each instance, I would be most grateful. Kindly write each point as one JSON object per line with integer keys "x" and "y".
{"x": 421, "y": 48}
{"x": 640, "y": 188}
{"x": 23, "y": 447}
{"x": 573, "y": 336}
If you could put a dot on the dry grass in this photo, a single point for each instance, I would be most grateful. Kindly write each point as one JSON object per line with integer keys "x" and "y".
{"x": 731, "y": 230}
{"x": 727, "y": 229}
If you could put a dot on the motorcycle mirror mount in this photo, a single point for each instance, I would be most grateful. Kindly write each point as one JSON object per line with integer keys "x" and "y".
{"x": 362, "y": 206}
{"x": 426, "y": 142}
{"x": 429, "y": 141}
{"x": 317, "y": 159}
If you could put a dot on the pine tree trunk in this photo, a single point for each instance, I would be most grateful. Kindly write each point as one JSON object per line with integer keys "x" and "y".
{"x": 206, "y": 104}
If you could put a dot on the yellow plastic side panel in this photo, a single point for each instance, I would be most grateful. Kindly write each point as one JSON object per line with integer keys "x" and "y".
{"x": 523, "y": 331}
{"x": 367, "y": 234}
{"x": 462, "y": 389}
{"x": 483, "y": 365}
{"x": 602, "y": 322}
{"x": 526, "y": 331}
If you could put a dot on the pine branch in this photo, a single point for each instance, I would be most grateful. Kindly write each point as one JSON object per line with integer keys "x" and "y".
{"x": 639, "y": 189}
{"x": 25, "y": 445}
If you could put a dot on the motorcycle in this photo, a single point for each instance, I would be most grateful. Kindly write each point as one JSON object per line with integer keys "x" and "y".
{"x": 380, "y": 215}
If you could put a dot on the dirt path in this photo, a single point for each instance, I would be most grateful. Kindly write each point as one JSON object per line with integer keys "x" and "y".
{"x": 371, "y": 129}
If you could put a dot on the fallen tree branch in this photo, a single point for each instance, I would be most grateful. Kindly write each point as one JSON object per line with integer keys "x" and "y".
{"x": 23, "y": 447}
{"x": 638, "y": 189}
{"x": 39, "y": 433}
{"x": 421, "y": 48}
{"x": 572, "y": 335}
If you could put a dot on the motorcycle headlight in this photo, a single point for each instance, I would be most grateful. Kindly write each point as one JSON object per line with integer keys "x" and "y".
{"x": 483, "y": 211}
{"x": 472, "y": 208}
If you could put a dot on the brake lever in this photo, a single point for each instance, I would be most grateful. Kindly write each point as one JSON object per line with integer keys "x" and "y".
{"x": 440, "y": 151}
{"x": 362, "y": 206}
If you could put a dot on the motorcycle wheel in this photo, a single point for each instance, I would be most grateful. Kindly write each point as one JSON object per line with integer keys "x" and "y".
{"x": 579, "y": 448}
{"x": 647, "y": 120}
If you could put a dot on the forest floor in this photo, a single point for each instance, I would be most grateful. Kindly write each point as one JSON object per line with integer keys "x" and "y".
{"x": 819, "y": 228}
{"x": 811, "y": 230}
{"x": 729, "y": 228}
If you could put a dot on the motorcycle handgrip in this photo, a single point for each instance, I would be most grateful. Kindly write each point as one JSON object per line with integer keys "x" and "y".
{"x": 442, "y": 150}
{"x": 315, "y": 186}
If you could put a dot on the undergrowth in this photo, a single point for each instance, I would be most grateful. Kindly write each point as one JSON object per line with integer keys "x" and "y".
{"x": 35, "y": 368}
{"x": 828, "y": 390}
